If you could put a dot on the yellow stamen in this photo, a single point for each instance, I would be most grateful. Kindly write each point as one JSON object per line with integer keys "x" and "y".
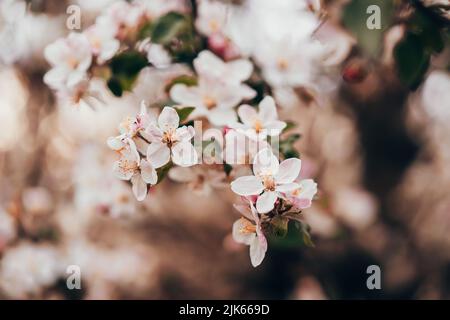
{"x": 248, "y": 227}
{"x": 296, "y": 192}
{"x": 282, "y": 64}
{"x": 258, "y": 126}
{"x": 127, "y": 165}
{"x": 214, "y": 25}
{"x": 209, "y": 102}
{"x": 169, "y": 138}
{"x": 269, "y": 183}
{"x": 72, "y": 62}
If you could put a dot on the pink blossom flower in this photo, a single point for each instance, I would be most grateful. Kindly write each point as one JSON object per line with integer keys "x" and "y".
{"x": 170, "y": 142}
{"x": 248, "y": 231}
{"x": 270, "y": 181}
{"x": 262, "y": 123}
{"x": 131, "y": 167}
{"x": 70, "y": 59}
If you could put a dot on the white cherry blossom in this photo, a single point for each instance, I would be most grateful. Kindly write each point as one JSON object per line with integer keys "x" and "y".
{"x": 219, "y": 88}
{"x": 101, "y": 36}
{"x": 124, "y": 17}
{"x": 131, "y": 167}
{"x": 130, "y": 128}
{"x": 212, "y": 16}
{"x": 70, "y": 59}
{"x": 270, "y": 181}
{"x": 170, "y": 142}
{"x": 208, "y": 65}
{"x": 262, "y": 123}
{"x": 248, "y": 231}
{"x": 302, "y": 197}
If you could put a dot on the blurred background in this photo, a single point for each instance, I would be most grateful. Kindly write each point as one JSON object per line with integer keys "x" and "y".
{"x": 374, "y": 135}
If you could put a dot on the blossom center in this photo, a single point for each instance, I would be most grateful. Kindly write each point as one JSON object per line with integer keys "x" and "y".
{"x": 214, "y": 25}
{"x": 296, "y": 192}
{"x": 209, "y": 102}
{"x": 258, "y": 126}
{"x": 127, "y": 165}
{"x": 268, "y": 182}
{"x": 282, "y": 64}
{"x": 72, "y": 62}
{"x": 169, "y": 138}
{"x": 96, "y": 43}
{"x": 247, "y": 228}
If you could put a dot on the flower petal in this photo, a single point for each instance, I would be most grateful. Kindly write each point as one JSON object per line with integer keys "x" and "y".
{"x": 56, "y": 52}
{"x": 267, "y": 109}
{"x": 265, "y": 163}
{"x": 238, "y": 235}
{"x": 288, "y": 171}
{"x": 258, "y": 248}
{"x": 301, "y": 203}
{"x": 139, "y": 187}
{"x": 55, "y": 78}
{"x": 244, "y": 209}
{"x": 247, "y": 114}
{"x": 168, "y": 119}
{"x": 274, "y": 128}
{"x": 153, "y": 133}
{"x": 185, "y": 133}
{"x": 115, "y": 143}
{"x": 221, "y": 117}
{"x": 247, "y": 186}
{"x": 120, "y": 173}
{"x": 183, "y": 94}
{"x": 158, "y": 154}
{"x": 239, "y": 70}
{"x": 308, "y": 188}
{"x": 148, "y": 173}
{"x": 287, "y": 187}
{"x": 184, "y": 154}
{"x": 208, "y": 64}
{"x": 266, "y": 201}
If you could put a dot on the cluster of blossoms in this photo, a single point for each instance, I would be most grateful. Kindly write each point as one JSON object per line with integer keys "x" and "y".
{"x": 227, "y": 90}
{"x": 79, "y": 57}
{"x": 273, "y": 192}
{"x": 160, "y": 141}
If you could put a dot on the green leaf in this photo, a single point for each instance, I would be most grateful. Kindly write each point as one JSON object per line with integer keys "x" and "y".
{"x": 162, "y": 172}
{"x": 184, "y": 113}
{"x": 292, "y": 138}
{"x": 146, "y": 31}
{"x": 125, "y": 68}
{"x": 227, "y": 168}
{"x": 279, "y": 226}
{"x": 412, "y": 60}
{"x": 167, "y": 27}
{"x": 428, "y": 31}
{"x": 287, "y": 146}
{"x": 298, "y": 234}
{"x": 115, "y": 87}
{"x": 289, "y": 126}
